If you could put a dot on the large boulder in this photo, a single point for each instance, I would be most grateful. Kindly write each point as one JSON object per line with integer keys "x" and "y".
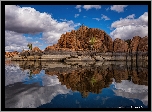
{"x": 24, "y": 54}
{"x": 143, "y": 44}
{"x": 135, "y": 43}
{"x": 36, "y": 49}
{"x": 120, "y": 45}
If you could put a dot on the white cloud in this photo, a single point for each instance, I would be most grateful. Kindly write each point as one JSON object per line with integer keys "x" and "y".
{"x": 29, "y": 38}
{"x": 87, "y": 7}
{"x": 98, "y": 19}
{"x": 27, "y": 20}
{"x": 84, "y": 16}
{"x": 129, "y": 27}
{"x": 63, "y": 20}
{"x": 131, "y": 16}
{"x": 15, "y": 41}
{"x": 76, "y": 15}
{"x": 78, "y": 7}
{"x": 104, "y": 17}
{"x": 36, "y": 42}
{"x": 118, "y": 8}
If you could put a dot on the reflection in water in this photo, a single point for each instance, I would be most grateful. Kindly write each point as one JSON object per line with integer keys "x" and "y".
{"x": 30, "y": 87}
{"x": 130, "y": 90}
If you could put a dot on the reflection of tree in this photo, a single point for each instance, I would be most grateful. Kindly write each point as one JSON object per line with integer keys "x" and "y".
{"x": 93, "y": 80}
{"x": 30, "y": 75}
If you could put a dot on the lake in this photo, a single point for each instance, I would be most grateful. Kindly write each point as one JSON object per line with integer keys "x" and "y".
{"x": 44, "y": 84}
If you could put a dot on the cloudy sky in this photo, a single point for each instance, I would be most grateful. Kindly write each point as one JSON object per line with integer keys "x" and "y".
{"x": 42, "y": 25}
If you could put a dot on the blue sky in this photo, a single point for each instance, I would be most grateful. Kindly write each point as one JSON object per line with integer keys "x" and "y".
{"x": 43, "y": 25}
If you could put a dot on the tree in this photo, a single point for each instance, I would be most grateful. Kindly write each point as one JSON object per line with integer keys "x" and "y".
{"x": 29, "y": 45}
{"x": 92, "y": 41}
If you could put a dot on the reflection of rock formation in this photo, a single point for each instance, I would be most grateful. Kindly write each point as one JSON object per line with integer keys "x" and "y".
{"x": 7, "y": 62}
{"x": 91, "y": 77}
{"x": 85, "y": 80}
{"x": 133, "y": 91}
{"x": 34, "y": 66}
{"x": 82, "y": 77}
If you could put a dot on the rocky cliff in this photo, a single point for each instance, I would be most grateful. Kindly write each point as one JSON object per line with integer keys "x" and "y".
{"x": 81, "y": 40}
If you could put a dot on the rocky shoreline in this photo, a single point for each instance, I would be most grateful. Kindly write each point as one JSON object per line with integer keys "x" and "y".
{"x": 86, "y": 56}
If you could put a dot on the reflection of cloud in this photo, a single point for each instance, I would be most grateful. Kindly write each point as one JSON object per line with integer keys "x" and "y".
{"x": 130, "y": 90}
{"x": 13, "y": 74}
{"x": 50, "y": 80}
{"x": 97, "y": 98}
{"x": 104, "y": 99}
{"x": 31, "y": 96}
{"x": 19, "y": 95}
{"x": 34, "y": 94}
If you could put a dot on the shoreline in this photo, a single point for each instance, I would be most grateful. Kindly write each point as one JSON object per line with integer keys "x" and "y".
{"x": 93, "y": 56}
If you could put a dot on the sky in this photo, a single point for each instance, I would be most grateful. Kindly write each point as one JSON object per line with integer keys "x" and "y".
{"x": 43, "y": 25}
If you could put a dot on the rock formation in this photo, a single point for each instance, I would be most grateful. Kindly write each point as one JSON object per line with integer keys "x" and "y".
{"x": 143, "y": 44}
{"x": 87, "y": 40}
{"x": 120, "y": 45}
{"x": 11, "y": 54}
{"x": 36, "y": 49}
{"x": 134, "y": 43}
{"x": 139, "y": 44}
{"x": 79, "y": 40}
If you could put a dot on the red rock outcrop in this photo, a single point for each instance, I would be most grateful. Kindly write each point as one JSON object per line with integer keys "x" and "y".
{"x": 80, "y": 40}
{"x": 134, "y": 43}
{"x": 120, "y": 45}
{"x": 143, "y": 44}
{"x": 11, "y": 54}
{"x": 36, "y": 49}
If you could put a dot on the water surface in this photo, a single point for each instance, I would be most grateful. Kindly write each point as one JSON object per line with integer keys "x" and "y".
{"x": 36, "y": 84}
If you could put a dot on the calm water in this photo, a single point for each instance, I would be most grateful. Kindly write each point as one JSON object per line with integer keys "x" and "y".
{"x": 30, "y": 84}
